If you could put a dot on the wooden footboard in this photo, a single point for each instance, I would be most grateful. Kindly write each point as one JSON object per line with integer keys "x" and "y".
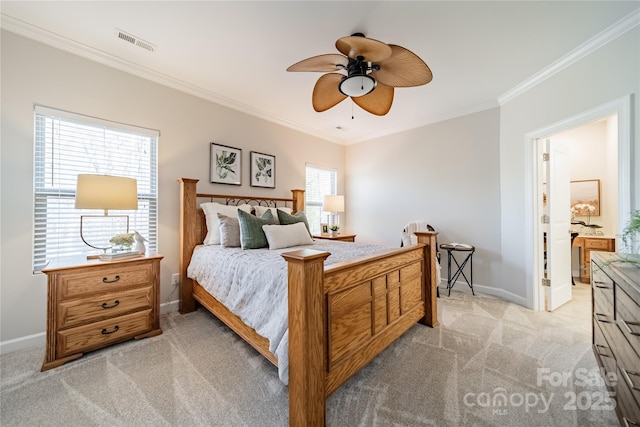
{"x": 340, "y": 317}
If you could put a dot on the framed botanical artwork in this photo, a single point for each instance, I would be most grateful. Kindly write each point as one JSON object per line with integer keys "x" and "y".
{"x": 585, "y": 197}
{"x": 226, "y": 165}
{"x": 263, "y": 170}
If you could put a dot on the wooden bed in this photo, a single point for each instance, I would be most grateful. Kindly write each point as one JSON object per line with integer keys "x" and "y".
{"x": 340, "y": 317}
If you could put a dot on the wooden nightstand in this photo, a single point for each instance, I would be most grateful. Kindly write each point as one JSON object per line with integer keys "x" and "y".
{"x": 341, "y": 237}
{"x": 93, "y": 304}
{"x": 588, "y": 244}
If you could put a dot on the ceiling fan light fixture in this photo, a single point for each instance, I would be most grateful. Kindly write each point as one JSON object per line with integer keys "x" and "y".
{"x": 357, "y": 85}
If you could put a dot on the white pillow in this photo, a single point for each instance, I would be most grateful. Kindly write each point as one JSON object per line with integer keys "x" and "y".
{"x": 211, "y": 210}
{"x": 286, "y": 236}
{"x": 260, "y": 210}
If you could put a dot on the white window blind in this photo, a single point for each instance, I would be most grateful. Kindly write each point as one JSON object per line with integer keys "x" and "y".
{"x": 320, "y": 182}
{"x": 68, "y": 144}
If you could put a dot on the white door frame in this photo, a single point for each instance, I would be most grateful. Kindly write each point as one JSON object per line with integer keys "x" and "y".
{"x": 533, "y": 204}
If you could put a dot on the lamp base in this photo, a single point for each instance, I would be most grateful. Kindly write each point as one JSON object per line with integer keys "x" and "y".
{"x": 334, "y": 219}
{"x": 102, "y": 228}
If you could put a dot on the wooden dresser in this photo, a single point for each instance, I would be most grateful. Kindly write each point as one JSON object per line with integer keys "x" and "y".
{"x": 588, "y": 244}
{"x": 616, "y": 330}
{"x": 92, "y": 304}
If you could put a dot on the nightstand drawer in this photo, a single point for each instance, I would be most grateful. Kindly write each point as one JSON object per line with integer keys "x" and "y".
{"x": 106, "y": 278}
{"x": 99, "y": 334}
{"x": 98, "y": 307}
{"x": 597, "y": 244}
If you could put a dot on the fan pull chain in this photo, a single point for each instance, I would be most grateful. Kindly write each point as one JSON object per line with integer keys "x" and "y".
{"x": 352, "y": 109}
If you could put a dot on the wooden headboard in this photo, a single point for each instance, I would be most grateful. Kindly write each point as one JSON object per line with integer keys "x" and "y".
{"x": 193, "y": 226}
{"x": 272, "y": 202}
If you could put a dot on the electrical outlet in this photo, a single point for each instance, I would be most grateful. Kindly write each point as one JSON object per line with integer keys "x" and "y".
{"x": 175, "y": 279}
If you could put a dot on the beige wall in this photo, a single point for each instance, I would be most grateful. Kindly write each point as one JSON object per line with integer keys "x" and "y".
{"x": 446, "y": 174}
{"x": 33, "y": 73}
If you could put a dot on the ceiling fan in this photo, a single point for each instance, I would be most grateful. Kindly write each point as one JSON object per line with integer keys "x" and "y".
{"x": 373, "y": 70}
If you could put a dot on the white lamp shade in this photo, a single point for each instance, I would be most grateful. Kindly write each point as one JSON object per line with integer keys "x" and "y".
{"x": 106, "y": 192}
{"x": 333, "y": 204}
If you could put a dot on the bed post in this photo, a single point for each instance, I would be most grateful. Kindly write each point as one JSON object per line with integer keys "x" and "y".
{"x": 298, "y": 200}
{"x": 188, "y": 241}
{"x": 431, "y": 263}
{"x": 307, "y": 353}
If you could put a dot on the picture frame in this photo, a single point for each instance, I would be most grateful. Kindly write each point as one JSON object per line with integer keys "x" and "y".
{"x": 585, "y": 192}
{"x": 324, "y": 228}
{"x": 263, "y": 170}
{"x": 225, "y": 165}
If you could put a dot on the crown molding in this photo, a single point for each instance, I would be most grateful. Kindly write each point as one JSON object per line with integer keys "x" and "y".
{"x": 71, "y": 46}
{"x": 613, "y": 32}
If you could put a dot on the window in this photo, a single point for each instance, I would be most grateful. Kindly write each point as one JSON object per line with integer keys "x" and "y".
{"x": 68, "y": 144}
{"x": 320, "y": 182}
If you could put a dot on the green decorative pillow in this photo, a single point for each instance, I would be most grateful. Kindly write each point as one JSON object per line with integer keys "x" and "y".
{"x": 251, "y": 234}
{"x": 287, "y": 219}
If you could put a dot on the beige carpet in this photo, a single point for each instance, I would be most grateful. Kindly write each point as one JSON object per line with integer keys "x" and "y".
{"x": 490, "y": 363}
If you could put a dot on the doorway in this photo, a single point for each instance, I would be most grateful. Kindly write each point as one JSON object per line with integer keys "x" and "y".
{"x": 581, "y": 158}
{"x": 618, "y": 195}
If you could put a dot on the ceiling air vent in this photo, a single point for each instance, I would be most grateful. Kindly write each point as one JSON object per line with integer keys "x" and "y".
{"x": 135, "y": 40}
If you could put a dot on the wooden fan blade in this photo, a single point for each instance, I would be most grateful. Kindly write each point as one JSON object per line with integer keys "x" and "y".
{"x": 372, "y": 50}
{"x": 322, "y": 63}
{"x": 326, "y": 93}
{"x": 377, "y": 102}
{"x": 403, "y": 69}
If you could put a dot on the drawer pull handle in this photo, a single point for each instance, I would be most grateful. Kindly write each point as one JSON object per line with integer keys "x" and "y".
{"x": 105, "y": 280}
{"x": 115, "y": 304}
{"x": 115, "y": 329}
{"x": 597, "y": 316}
{"x": 629, "y": 423}
{"x": 629, "y": 380}
{"x": 599, "y": 285}
{"x": 626, "y": 325}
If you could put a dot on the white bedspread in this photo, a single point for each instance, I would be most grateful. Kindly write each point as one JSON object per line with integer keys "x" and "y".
{"x": 253, "y": 285}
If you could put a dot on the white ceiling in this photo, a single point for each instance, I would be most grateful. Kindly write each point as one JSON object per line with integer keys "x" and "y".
{"x": 235, "y": 53}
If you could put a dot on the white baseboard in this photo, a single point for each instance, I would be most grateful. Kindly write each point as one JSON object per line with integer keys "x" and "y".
{"x": 169, "y": 306}
{"x": 22, "y": 343}
{"x": 488, "y": 290}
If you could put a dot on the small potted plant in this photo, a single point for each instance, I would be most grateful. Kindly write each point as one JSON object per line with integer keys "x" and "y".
{"x": 121, "y": 242}
{"x": 333, "y": 230}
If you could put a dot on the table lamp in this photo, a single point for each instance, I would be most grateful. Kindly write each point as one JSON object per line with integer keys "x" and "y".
{"x": 333, "y": 204}
{"x": 107, "y": 193}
